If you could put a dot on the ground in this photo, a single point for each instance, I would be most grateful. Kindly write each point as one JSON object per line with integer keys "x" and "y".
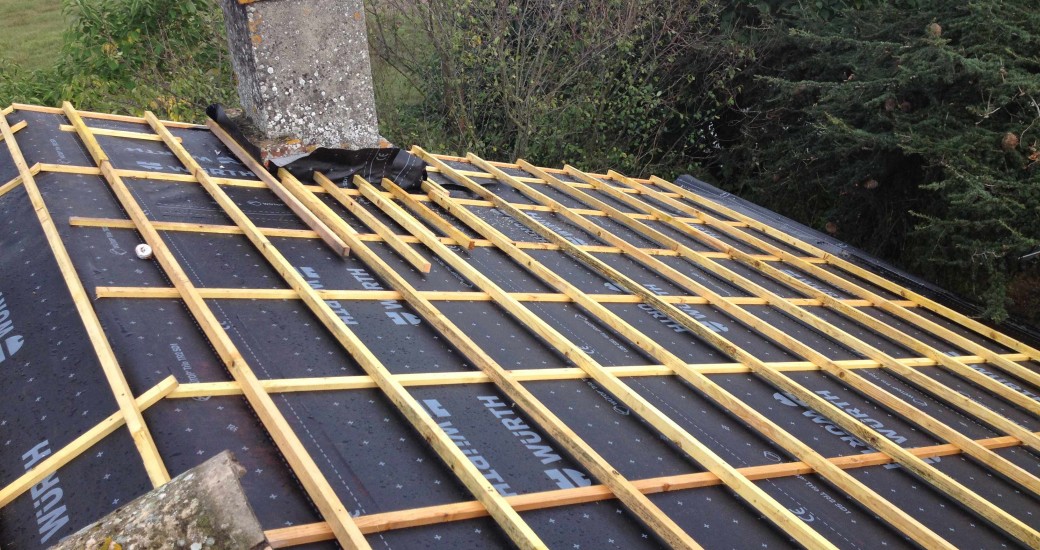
{"x": 32, "y": 32}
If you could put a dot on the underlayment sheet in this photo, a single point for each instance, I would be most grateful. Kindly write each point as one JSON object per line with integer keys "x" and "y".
{"x": 54, "y": 391}
{"x": 374, "y": 460}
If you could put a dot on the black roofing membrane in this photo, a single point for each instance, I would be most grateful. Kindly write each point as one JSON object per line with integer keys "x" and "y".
{"x": 325, "y": 269}
{"x": 282, "y": 339}
{"x": 108, "y": 475}
{"x": 373, "y": 458}
{"x": 170, "y": 201}
{"x": 715, "y": 427}
{"x": 503, "y": 271}
{"x": 984, "y": 397}
{"x": 125, "y": 126}
{"x": 473, "y": 534}
{"x": 154, "y": 156}
{"x": 8, "y": 171}
{"x": 668, "y": 333}
{"x": 1017, "y": 502}
{"x": 774, "y": 241}
{"x": 768, "y": 283}
{"x": 1027, "y": 459}
{"x": 911, "y": 331}
{"x": 802, "y": 332}
{"x": 590, "y": 335}
{"x": 703, "y": 277}
{"x": 679, "y": 340}
{"x": 812, "y": 281}
{"x": 53, "y": 382}
{"x": 610, "y": 428}
{"x": 860, "y": 332}
{"x": 840, "y": 519}
{"x": 871, "y": 287}
{"x": 564, "y": 228}
{"x": 812, "y": 428}
{"x": 502, "y": 190}
{"x": 558, "y": 196}
{"x": 656, "y": 283}
{"x": 926, "y": 403}
{"x": 514, "y": 454}
{"x": 575, "y": 272}
{"x": 591, "y": 525}
{"x": 962, "y": 331}
{"x": 616, "y": 203}
{"x": 506, "y": 340}
{"x": 78, "y": 195}
{"x": 716, "y": 518}
{"x": 562, "y": 176}
{"x": 515, "y": 171}
{"x": 692, "y": 238}
{"x": 629, "y": 235}
{"x": 188, "y": 432}
{"x": 154, "y": 339}
{"x": 505, "y": 224}
{"x": 402, "y": 340}
{"x": 41, "y": 141}
{"x": 706, "y": 209}
{"x": 444, "y": 215}
{"x": 936, "y": 511}
{"x": 216, "y": 260}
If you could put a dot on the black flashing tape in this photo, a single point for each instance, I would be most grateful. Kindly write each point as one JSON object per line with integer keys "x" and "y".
{"x": 339, "y": 165}
{"x": 1016, "y": 328}
{"x": 219, "y": 115}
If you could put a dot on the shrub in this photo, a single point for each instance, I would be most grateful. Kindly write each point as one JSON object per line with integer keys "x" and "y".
{"x": 126, "y": 56}
{"x": 622, "y": 83}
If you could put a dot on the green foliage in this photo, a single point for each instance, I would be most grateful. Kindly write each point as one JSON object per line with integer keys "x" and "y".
{"x": 911, "y": 131}
{"x": 126, "y": 56}
{"x": 628, "y": 84}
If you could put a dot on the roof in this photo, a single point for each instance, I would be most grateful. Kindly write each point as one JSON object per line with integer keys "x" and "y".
{"x": 510, "y": 354}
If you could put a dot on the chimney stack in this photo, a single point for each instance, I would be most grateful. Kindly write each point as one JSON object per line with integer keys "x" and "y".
{"x": 304, "y": 74}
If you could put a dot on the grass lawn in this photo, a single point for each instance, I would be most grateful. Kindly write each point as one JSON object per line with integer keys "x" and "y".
{"x": 31, "y": 35}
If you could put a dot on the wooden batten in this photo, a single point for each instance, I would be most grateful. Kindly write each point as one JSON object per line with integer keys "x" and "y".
{"x": 672, "y": 223}
{"x": 926, "y": 383}
{"x": 305, "y": 214}
{"x": 415, "y": 517}
{"x": 14, "y": 128}
{"x": 854, "y": 270}
{"x": 329, "y": 504}
{"x": 115, "y": 133}
{"x": 696, "y": 450}
{"x": 81, "y": 444}
{"x": 865, "y": 387}
{"x": 142, "y": 438}
{"x": 938, "y": 479}
{"x": 724, "y": 398}
{"x": 429, "y": 216}
{"x": 636, "y": 501}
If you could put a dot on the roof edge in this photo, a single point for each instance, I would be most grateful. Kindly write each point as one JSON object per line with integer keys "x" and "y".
{"x": 1015, "y": 327}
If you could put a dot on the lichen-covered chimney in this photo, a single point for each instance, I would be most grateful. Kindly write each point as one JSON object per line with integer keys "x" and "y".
{"x": 304, "y": 74}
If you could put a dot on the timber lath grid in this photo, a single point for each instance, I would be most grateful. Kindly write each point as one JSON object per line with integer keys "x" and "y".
{"x": 586, "y": 359}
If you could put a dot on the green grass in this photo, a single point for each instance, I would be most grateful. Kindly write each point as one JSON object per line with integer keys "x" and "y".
{"x": 30, "y": 35}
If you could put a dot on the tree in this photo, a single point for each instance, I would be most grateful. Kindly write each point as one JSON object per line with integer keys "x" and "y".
{"x": 907, "y": 128}
{"x": 626, "y": 84}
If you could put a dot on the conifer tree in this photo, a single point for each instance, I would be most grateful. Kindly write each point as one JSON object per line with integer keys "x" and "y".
{"x": 909, "y": 128}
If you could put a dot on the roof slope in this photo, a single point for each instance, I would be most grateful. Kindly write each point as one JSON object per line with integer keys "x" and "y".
{"x": 511, "y": 354}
